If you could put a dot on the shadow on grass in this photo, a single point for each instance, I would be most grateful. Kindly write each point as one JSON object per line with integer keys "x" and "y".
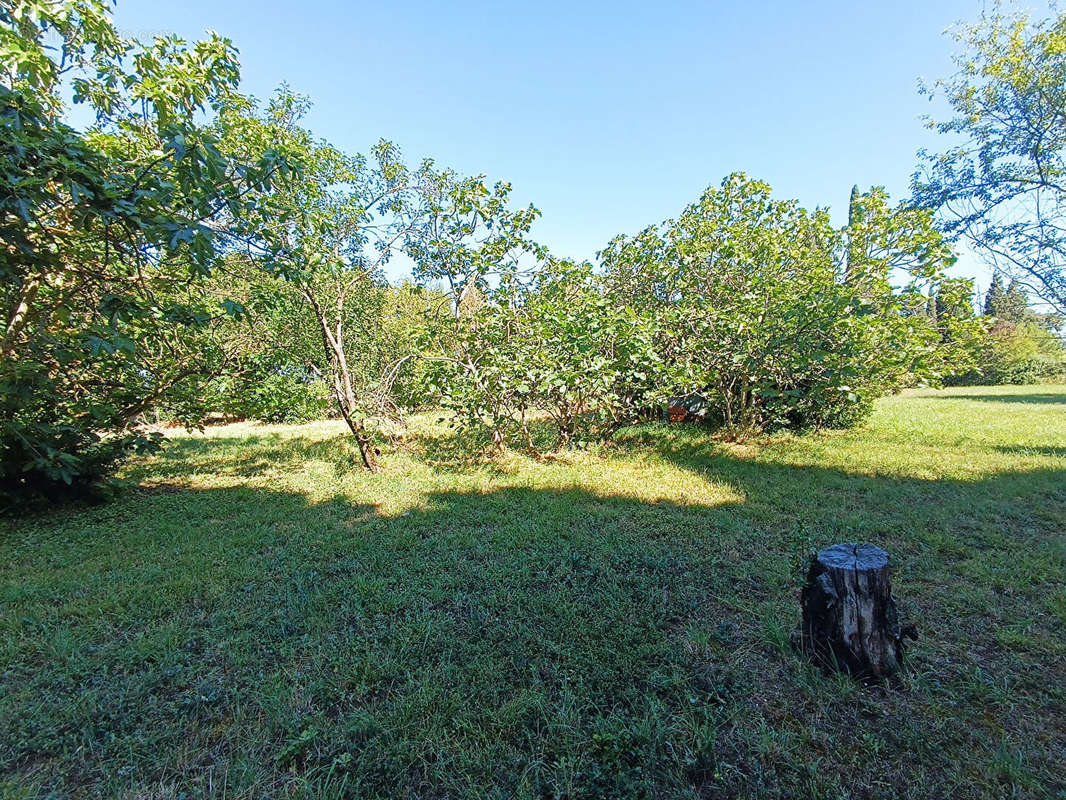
{"x": 1035, "y": 450}
{"x": 253, "y": 454}
{"x": 250, "y": 455}
{"x": 464, "y": 450}
{"x": 529, "y": 642}
{"x": 1041, "y": 398}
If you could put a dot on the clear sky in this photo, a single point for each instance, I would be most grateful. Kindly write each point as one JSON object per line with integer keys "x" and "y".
{"x": 607, "y": 116}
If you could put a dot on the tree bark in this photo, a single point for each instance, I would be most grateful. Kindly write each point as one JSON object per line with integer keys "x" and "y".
{"x": 343, "y": 391}
{"x": 20, "y": 316}
{"x": 850, "y": 622}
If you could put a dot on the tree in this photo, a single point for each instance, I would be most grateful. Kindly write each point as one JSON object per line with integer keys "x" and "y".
{"x": 853, "y": 255}
{"x": 269, "y": 374}
{"x": 754, "y": 310}
{"x": 1015, "y": 304}
{"x": 335, "y": 226}
{"x": 1011, "y": 343}
{"x": 1008, "y": 304}
{"x": 994, "y": 296}
{"x": 330, "y": 231}
{"x": 1015, "y": 353}
{"x": 1003, "y": 187}
{"x": 106, "y": 234}
{"x": 885, "y": 243}
{"x": 561, "y": 348}
{"x": 470, "y": 236}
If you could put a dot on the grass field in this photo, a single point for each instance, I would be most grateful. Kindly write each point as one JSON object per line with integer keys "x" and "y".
{"x": 258, "y": 617}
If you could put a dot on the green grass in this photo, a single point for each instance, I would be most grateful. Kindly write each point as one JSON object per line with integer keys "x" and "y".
{"x": 258, "y": 617}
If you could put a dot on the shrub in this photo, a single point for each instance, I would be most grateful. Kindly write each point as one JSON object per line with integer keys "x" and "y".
{"x": 270, "y": 394}
{"x": 742, "y": 301}
{"x": 52, "y": 448}
{"x": 751, "y": 311}
{"x": 562, "y": 350}
{"x": 106, "y": 235}
{"x": 1016, "y": 354}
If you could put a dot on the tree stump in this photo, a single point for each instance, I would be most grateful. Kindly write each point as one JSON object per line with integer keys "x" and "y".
{"x": 850, "y": 621}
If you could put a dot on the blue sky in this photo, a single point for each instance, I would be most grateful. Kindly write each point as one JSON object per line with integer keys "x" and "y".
{"x": 606, "y": 116}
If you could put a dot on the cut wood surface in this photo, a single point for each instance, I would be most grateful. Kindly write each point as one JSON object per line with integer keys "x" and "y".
{"x": 850, "y": 620}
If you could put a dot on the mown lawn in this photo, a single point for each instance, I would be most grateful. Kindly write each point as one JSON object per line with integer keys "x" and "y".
{"x": 257, "y": 617}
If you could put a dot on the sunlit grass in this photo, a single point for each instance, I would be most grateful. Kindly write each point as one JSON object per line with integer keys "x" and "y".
{"x": 259, "y": 617}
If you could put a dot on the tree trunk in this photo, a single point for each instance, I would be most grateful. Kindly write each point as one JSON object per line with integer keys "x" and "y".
{"x": 20, "y": 316}
{"x": 850, "y": 621}
{"x": 343, "y": 393}
{"x": 367, "y": 450}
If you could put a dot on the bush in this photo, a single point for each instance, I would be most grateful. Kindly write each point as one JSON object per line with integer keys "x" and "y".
{"x": 290, "y": 398}
{"x": 750, "y": 312}
{"x": 269, "y": 392}
{"x": 740, "y": 301}
{"x": 561, "y": 350}
{"x": 51, "y": 448}
{"x": 1015, "y": 354}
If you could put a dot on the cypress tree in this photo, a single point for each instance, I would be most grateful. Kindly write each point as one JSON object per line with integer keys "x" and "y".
{"x": 852, "y": 264}
{"x": 994, "y": 296}
{"x": 1014, "y": 304}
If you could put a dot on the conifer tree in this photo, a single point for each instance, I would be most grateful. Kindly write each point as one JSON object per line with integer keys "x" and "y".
{"x": 1015, "y": 303}
{"x": 994, "y": 296}
{"x": 851, "y": 264}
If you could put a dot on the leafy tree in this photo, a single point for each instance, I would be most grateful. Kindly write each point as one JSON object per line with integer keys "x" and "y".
{"x": 407, "y": 323}
{"x": 1002, "y": 187}
{"x": 884, "y": 243}
{"x": 1013, "y": 343}
{"x": 332, "y": 228}
{"x": 266, "y": 389}
{"x": 962, "y": 333}
{"x": 84, "y": 46}
{"x": 897, "y": 258}
{"x": 471, "y": 236}
{"x": 1017, "y": 354}
{"x": 479, "y": 377}
{"x": 592, "y": 361}
{"x": 633, "y": 269}
{"x": 559, "y": 348}
{"x": 271, "y": 375}
{"x": 750, "y": 311}
{"x": 102, "y": 232}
